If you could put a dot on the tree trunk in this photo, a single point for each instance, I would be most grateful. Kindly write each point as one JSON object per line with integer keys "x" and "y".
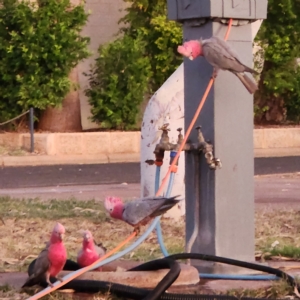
{"x": 269, "y": 109}
{"x": 66, "y": 118}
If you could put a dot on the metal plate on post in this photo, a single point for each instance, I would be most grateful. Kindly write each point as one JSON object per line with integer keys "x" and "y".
{"x": 188, "y": 9}
{"x": 181, "y": 10}
{"x": 239, "y": 9}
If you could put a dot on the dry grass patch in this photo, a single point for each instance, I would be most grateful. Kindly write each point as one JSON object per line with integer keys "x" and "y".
{"x": 28, "y": 224}
{"x": 9, "y": 151}
{"x": 278, "y": 290}
{"x": 277, "y": 233}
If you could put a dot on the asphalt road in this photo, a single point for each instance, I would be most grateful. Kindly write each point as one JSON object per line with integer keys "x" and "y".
{"x": 95, "y": 174}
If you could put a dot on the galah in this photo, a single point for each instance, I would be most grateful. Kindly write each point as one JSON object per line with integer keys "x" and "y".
{"x": 221, "y": 56}
{"x": 90, "y": 251}
{"x": 139, "y": 212}
{"x": 51, "y": 260}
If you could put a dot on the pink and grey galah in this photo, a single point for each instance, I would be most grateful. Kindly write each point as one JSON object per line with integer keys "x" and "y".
{"x": 90, "y": 251}
{"x": 221, "y": 56}
{"x": 51, "y": 260}
{"x": 141, "y": 211}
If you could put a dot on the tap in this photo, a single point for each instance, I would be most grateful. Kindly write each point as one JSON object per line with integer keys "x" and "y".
{"x": 207, "y": 148}
{"x": 164, "y": 136}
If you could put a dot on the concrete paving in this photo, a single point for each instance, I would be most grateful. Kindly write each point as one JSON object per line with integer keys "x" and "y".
{"x": 95, "y": 174}
{"x": 276, "y": 189}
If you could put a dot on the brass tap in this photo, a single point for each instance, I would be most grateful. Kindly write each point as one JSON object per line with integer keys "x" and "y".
{"x": 164, "y": 136}
{"x": 180, "y": 136}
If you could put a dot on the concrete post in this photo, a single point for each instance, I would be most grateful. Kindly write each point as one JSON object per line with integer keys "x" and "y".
{"x": 225, "y": 197}
{"x": 165, "y": 106}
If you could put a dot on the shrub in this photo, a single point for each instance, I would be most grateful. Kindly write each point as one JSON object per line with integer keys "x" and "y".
{"x": 279, "y": 86}
{"x": 40, "y": 43}
{"x": 134, "y": 65}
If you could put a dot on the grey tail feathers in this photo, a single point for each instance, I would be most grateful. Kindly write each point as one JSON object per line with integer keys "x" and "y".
{"x": 247, "y": 82}
{"x": 247, "y": 69}
{"x": 167, "y": 204}
{"x": 31, "y": 281}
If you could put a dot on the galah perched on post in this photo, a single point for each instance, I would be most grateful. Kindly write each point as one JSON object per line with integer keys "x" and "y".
{"x": 51, "y": 260}
{"x": 139, "y": 212}
{"x": 221, "y": 56}
{"x": 90, "y": 251}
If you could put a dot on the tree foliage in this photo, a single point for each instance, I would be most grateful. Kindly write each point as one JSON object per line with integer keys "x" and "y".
{"x": 279, "y": 86}
{"x": 40, "y": 43}
{"x": 118, "y": 83}
{"x": 134, "y": 65}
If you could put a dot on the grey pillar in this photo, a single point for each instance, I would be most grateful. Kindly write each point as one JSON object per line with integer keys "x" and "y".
{"x": 226, "y": 196}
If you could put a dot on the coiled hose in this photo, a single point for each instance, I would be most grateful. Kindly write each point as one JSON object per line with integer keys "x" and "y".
{"x": 94, "y": 286}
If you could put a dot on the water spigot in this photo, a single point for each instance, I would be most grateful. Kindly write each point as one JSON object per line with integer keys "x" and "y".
{"x": 180, "y": 136}
{"x": 164, "y": 136}
{"x": 200, "y": 134}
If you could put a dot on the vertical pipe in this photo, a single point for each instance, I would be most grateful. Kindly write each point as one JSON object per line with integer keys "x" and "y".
{"x": 31, "y": 122}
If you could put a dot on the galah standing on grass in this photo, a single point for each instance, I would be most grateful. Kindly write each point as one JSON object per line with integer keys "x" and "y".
{"x": 90, "y": 251}
{"x": 51, "y": 260}
{"x": 139, "y": 212}
{"x": 221, "y": 56}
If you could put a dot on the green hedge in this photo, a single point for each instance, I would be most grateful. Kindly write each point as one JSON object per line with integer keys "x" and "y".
{"x": 40, "y": 43}
{"x": 134, "y": 65}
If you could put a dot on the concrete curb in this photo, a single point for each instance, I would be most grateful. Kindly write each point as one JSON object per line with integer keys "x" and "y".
{"x": 36, "y": 160}
{"x": 114, "y": 147}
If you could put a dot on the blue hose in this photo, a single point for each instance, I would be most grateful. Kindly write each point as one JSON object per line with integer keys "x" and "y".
{"x": 238, "y": 277}
{"x": 202, "y": 275}
{"x": 156, "y": 224}
{"x": 169, "y": 190}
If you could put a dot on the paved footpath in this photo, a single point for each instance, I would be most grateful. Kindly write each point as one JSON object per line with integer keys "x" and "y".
{"x": 276, "y": 190}
{"x": 95, "y": 174}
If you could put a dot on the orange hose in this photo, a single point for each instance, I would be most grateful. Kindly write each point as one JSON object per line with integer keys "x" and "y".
{"x": 164, "y": 181}
{"x": 228, "y": 30}
{"x": 81, "y": 271}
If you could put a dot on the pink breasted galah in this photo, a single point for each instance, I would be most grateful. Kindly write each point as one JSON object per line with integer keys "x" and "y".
{"x": 221, "y": 56}
{"x": 51, "y": 260}
{"x": 141, "y": 211}
{"x": 90, "y": 251}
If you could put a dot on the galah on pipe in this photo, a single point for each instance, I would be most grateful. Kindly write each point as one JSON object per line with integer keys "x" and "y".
{"x": 90, "y": 251}
{"x": 51, "y": 260}
{"x": 221, "y": 56}
{"x": 139, "y": 212}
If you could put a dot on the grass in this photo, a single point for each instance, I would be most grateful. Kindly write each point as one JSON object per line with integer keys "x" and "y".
{"x": 28, "y": 223}
{"x": 8, "y": 151}
{"x": 277, "y": 234}
{"x": 278, "y": 290}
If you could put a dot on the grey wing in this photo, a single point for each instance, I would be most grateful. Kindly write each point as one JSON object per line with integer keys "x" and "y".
{"x": 42, "y": 264}
{"x": 136, "y": 211}
{"x": 231, "y": 52}
{"x": 79, "y": 253}
{"x": 101, "y": 250}
{"x": 220, "y": 55}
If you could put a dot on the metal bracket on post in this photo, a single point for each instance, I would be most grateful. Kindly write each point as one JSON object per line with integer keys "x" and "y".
{"x": 225, "y": 220}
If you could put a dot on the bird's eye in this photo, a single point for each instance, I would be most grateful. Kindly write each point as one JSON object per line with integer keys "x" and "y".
{"x": 110, "y": 209}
